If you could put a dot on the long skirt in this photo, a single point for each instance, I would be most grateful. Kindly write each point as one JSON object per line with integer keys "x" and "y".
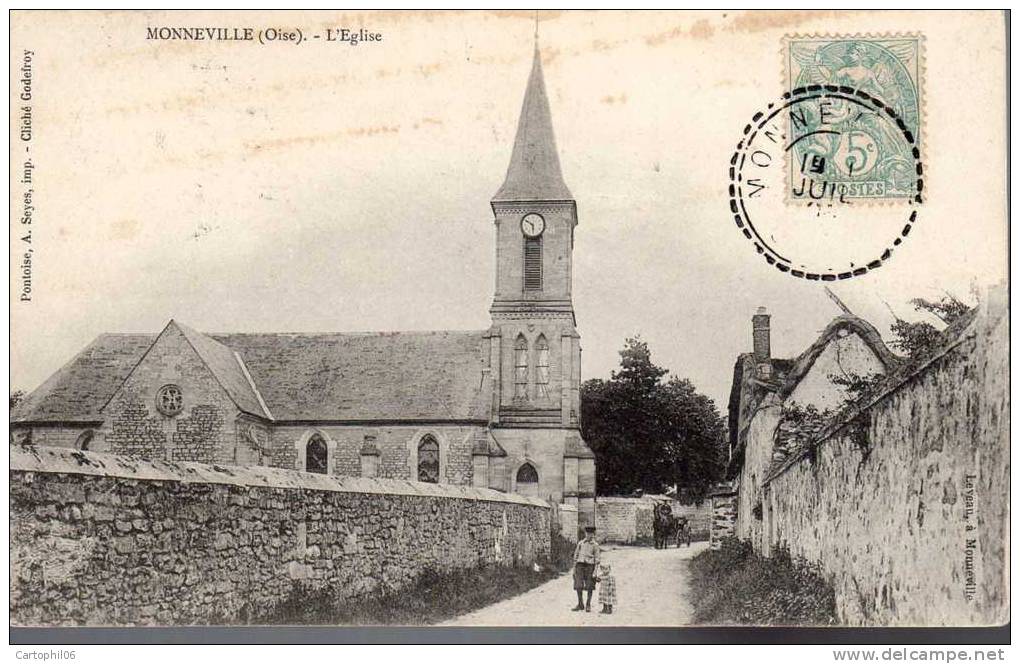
{"x": 583, "y": 576}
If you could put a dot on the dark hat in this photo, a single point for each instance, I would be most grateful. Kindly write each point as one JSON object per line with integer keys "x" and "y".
{"x": 589, "y": 529}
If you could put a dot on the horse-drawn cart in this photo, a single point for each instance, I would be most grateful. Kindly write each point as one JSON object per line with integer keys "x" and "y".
{"x": 668, "y": 527}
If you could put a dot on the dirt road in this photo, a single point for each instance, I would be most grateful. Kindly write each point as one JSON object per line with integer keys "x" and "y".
{"x": 651, "y": 589}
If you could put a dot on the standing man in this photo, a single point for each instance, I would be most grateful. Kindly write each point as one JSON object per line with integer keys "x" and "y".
{"x": 586, "y": 560}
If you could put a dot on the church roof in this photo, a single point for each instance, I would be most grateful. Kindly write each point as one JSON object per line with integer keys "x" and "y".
{"x": 226, "y": 366}
{"x": 371, "y": 376}
{"x": 79, "y": 389}
{"x": 306, "y": 377}
{"x": 534, "y": 171}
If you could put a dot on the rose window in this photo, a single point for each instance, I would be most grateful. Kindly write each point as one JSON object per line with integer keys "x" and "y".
{"x": 169, "y": 400}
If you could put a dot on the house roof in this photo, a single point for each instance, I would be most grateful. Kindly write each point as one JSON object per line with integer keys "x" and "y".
{"x": 534, "y": 171}
{"x": 307, "y": 377}
{"x": 865, "y": 330}
{"x": 788, "y": 373}
{"x": 737, "y": 388}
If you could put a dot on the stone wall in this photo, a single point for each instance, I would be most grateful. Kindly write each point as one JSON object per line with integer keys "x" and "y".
{"x": 630, "y": 520}
{"x": 906, "y": 507}
{"x": 619, "y": 519}
{"x": 724, "y": 514}
{"x": 699, "y": 516}
{"x": 100, "y": 539}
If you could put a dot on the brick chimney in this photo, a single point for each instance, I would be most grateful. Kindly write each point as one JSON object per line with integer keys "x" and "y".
{"x": 761, "y": 334}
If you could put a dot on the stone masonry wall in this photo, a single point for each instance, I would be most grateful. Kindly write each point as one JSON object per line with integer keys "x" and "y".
{"x": 630, "y": 520}
{"x": 909, "y": 514}
{"x": 617, "y": 520}
{"x": 699, "y": 516}
{"x": 205, "y": 429}
{"x": 724, "y": 517}
{"x": 104, "y": 540}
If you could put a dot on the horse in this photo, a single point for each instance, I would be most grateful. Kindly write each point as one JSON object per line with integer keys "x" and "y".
{"x": 668, "y": 528}
{"x": 663, "y": 525}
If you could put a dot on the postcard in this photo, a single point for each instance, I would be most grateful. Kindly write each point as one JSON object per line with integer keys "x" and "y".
{"x": 509, "y": 318}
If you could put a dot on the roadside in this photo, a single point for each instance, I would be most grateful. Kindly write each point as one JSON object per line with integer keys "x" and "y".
{"x": 651, "y": 588}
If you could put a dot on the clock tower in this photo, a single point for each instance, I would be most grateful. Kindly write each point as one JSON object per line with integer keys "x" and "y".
{"x": 535, "y": 348}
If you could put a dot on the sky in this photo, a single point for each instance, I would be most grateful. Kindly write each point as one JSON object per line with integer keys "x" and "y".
{"x": 325, "y": 187}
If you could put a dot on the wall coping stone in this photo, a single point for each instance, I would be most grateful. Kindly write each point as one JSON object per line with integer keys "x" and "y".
{"x": 31, "y": 459}
{"x": 625, "y": 500}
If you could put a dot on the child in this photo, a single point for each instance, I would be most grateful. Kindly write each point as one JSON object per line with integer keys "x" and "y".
{"x": 586, "y": 561}
{"x": 607, "y": 591}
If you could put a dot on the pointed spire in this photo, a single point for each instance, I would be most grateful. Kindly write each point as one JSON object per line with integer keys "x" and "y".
{"x": 534, "y": 172}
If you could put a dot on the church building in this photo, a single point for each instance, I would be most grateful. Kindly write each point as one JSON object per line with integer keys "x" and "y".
{"x": 494, "y": 408}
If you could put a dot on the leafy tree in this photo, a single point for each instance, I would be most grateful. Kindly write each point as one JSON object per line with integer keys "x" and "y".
{"x": 650, "y": 431}
{"x": 16, "y": 397}
{"x": 920, "y": 337}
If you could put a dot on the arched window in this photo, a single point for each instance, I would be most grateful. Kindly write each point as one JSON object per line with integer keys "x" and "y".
{"x": 542, "y": 368}
{"x": 428, "y": 460}
{"x": 527, "y": 480}
{"x": 85, "y": 440}
{"x": 316, "y": 455}
{"x": 533, "y": 263}
{"x": 521, "y": 367}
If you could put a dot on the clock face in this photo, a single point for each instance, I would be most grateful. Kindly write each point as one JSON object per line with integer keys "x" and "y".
{"x": 532, "y": 225}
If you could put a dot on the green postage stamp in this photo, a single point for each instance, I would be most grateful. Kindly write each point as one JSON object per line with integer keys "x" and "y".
{"x": 841, "y": 149}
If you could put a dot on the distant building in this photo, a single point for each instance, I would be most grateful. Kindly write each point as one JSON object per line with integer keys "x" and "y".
{"x": 494, "y": 408}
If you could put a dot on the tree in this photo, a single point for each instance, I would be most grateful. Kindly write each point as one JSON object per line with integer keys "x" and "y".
{"x": 16, "y": 397}
{"x": 919, "y": 338}
{"x": 650, "y": 431}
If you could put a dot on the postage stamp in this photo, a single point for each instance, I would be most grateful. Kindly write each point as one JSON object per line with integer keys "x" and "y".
{"x": 831, "y": 236}
{"x": 852, "y": 150}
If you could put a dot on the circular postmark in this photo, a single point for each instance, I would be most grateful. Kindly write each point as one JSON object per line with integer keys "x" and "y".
{"x": 826, "y": 182}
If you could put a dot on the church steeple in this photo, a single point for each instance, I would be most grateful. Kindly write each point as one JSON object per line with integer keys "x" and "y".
{"x": 535, "y": 350}
{"x": 534, "y": 171}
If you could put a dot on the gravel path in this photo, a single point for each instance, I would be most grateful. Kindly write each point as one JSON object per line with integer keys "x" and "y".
{"x": 651, "y": 590}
